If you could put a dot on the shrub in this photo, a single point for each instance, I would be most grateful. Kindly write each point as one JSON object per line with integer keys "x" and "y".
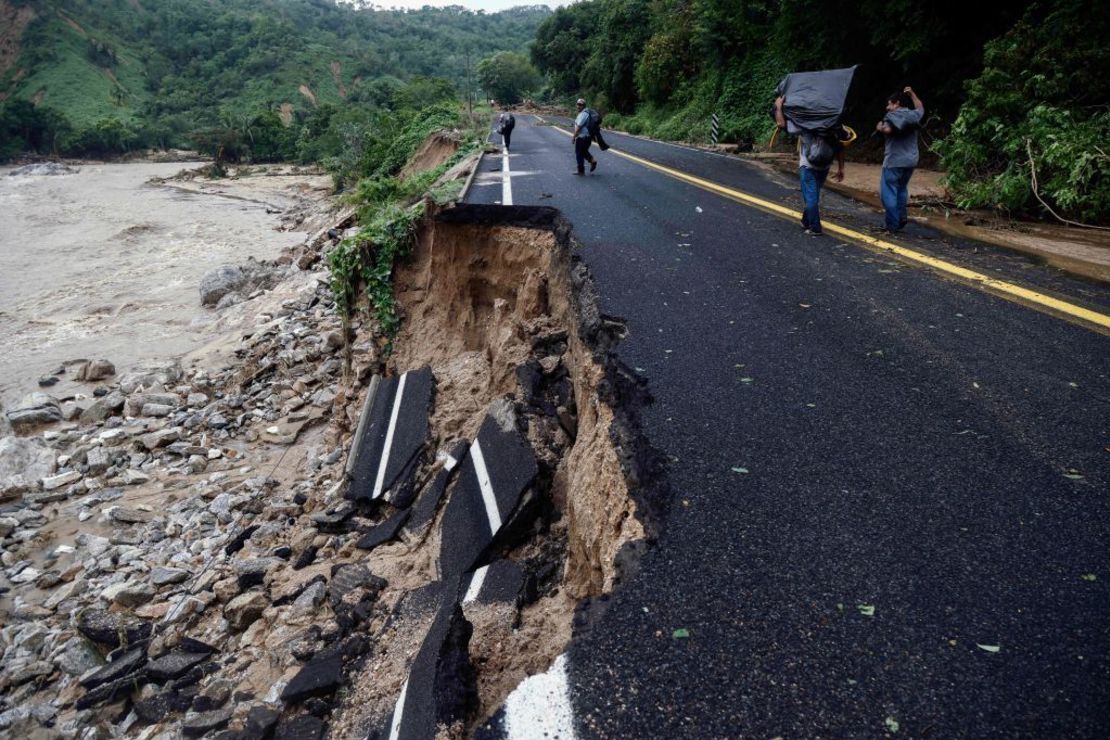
{"x": 1043, "y": 92}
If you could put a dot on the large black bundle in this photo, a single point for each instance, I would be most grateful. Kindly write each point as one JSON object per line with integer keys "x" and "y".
{"x": 814, "y": 101}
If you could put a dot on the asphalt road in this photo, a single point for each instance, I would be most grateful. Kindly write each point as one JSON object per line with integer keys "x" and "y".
{"x": 890, "y": 489}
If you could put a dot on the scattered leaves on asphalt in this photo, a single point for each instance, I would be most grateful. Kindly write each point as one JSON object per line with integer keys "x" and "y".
{"x": 1089, "y": 577}
{"x": 681, "y": 633}
{"x": 989, "y": 648}
{"x": 746, "y": 380}
{"x": 866, "y": 610}
{"x": 742, "y": 471}
{"x": 698, "y": 209}
{"x": 1073, "y": 474}
{"x": 806, "y": 305}
{"x": 891, "y": 724}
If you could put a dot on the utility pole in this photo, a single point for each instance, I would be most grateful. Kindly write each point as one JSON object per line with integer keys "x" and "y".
{"x": 469, "y": 99}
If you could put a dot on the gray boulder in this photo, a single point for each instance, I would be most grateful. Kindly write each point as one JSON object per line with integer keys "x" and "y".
{"x": 35, "y": 410}
{"x": 219, "y": 282}
{"x": 23, "y": 461}
{"x": 150, "y": 375}
{"x": 96, "y": 370}
{"x": 102, "y": 408}
{"x": 244, "y": 279}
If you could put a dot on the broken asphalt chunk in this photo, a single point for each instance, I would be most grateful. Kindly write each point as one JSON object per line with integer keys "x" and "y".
{"x": 125, "y": 665}
{"x": 347, "y": 578}
{"x": 499, "y": 582}
{"x": 384, "y": 463}
{"x": 321, "y": 676}
{"x": 498, "y": 469}
{"x": 304, "y": 727}
{"x": 426, "y": 505}
{"x": 383, "y": 532}
{"x": 174, "y": 665}
{"x": 442, "y": 686}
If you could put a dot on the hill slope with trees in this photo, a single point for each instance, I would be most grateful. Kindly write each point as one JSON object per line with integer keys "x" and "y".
{"x": 101, "y": 76}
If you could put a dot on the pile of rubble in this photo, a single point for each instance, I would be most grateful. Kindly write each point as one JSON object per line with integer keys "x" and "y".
{"x": 150, "y": 505}
{"x": 194, "y": 552}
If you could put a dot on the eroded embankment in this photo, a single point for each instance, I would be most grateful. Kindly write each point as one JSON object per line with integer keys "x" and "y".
{"x": 203, "y": 562}
{"x": 508, "y": 324}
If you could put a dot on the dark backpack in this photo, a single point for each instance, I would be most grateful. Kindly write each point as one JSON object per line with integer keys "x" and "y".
{"x": 825, "y": 145}
{"x": 593, "y": 125}
{"x": 820, "y": 151}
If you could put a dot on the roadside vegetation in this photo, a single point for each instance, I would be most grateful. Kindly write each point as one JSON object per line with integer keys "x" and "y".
{"x": 390, "y": 208}
{"x": 1010, "y": 86}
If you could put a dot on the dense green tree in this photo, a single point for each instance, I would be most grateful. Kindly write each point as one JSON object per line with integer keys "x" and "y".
{"x": 27, "y": 128}
{"x": 507, "y": 77}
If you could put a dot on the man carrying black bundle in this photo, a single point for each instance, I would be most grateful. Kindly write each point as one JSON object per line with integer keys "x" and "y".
{"x": 904, "y": 113}
{"x": 816, "y": 152}
{"x": 810, "y": 105}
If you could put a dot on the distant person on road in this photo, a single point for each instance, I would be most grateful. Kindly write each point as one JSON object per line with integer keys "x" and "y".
{"x": 904, "y": 113}
{"x": 505, "y": 125}
{"x": 582, "y": 139}
{"x": 816, "y": 153}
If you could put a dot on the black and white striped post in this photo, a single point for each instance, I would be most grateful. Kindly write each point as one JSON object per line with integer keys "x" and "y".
{"x": 715, "y": 130}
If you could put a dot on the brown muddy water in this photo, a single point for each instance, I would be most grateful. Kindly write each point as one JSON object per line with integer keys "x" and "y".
{"x": 101, "y": 264}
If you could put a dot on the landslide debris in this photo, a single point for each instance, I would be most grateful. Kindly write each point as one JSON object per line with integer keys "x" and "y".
{"x": 188, "y": 558}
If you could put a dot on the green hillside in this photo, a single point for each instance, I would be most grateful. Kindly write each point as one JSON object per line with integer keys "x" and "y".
{"x": 121, "y": 73}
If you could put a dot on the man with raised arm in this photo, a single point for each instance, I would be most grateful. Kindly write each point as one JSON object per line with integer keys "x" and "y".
{"x": 904, "y": 114}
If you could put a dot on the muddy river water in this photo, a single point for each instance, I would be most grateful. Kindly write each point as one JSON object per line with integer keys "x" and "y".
{"x": 103, "y": 264}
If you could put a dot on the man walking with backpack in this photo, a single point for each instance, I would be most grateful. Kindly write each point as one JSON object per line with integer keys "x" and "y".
{"x": 506, "y": 122}
{"x": 583, "y": 122}
{"x": 816, "y": 154}
{"x": 899, "y": 126}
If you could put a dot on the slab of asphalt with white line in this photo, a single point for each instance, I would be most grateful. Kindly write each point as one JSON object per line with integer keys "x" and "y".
{"x": 496, "y": 471}
{"x": 389, "y": 444}
{"x": 889, "y": 487}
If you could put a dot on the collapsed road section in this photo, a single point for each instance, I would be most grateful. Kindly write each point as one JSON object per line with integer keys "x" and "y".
{"x": 496, "y": 467}
{"x": 294, "y": 546}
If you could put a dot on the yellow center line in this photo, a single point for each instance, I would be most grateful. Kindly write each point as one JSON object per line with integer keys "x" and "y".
{"x": 1026, "y": 296}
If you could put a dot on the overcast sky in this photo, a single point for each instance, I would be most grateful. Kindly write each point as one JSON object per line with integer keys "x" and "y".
{"x": 490, "y": 6}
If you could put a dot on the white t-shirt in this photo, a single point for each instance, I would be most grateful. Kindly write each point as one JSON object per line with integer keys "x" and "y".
{"x": 582, "y": 122}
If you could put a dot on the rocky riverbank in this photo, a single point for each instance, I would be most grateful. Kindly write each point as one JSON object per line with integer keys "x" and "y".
{"x": 126, "y": 502}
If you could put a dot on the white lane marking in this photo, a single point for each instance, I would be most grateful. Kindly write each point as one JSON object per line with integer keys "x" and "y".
{"x": 539, "y": 708}
{"x": 486, "y": 485}
{"x": 389, "y": 437}
{"x": 506, "y": 177}
{"x": 475, "y": 587}
{"x": 395, "y": 725}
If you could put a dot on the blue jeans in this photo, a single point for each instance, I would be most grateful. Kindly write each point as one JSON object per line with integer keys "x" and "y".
{"x": 895, "y": 193}
{"x": 812, "y": 180}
